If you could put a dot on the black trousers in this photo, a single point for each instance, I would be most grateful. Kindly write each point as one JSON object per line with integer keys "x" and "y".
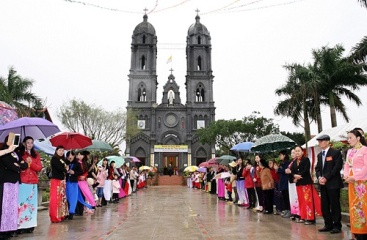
{"x": 330, "y": 207}
{"x": 260, "y": 197}
{"x": 268, "y": 200}
{"x": 286, "y": 204}
{"x": 251, "y": 197}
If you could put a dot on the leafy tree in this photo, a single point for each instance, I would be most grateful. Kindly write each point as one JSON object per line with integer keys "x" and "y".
{"x": 359, "y": 51}
{"x": 131, "y": 124}
{"x": 94, "y": 122}
{"x": 297, "y": 91}
{"x": 338, "y": 77}
{"x": 227, "y": 133}
{"x": 16, "y": 91}
{"x": 299, "y": 138}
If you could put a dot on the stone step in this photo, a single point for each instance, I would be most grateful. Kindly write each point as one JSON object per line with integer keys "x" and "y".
{"x": 167, "y": 180}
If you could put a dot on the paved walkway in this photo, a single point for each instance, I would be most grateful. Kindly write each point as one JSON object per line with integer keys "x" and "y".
{"x": 175, "y": 212}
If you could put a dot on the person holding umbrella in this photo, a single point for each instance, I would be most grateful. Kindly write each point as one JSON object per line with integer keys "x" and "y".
{"x": 28, "y": 190}
{"x": 240, "y": 184}
{"x": 283, "y": 182}
{"x": 58, "y": 206}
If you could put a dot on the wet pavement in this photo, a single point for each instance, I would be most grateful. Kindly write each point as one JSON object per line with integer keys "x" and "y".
{"x": 176, "y": 212}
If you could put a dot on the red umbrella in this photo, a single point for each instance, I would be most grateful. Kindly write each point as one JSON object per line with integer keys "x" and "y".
{"x": 71, "y": 140}
{"x": 213, "y": 161}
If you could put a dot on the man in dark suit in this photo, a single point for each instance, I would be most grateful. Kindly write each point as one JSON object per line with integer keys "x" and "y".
{"x": 329, "y": 164}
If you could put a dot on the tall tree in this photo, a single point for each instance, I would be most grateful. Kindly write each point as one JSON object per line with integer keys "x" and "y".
{"x": 16, "y": 91}
{"x": 299, "y": 93}
{"x": 94, "y": 122}
{"x": 339, "y": 77}
{"x": 227, "y": 133}
{"x": 359, "y": 51}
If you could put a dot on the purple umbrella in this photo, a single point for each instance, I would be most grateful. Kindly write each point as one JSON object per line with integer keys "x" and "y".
{"x": 26, "y": 126}
{"x": 7, "y": 113}
{"x": 202, "y": 169}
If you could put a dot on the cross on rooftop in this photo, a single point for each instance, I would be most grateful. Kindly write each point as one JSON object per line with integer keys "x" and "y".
{"x": 145, "y": 10}
{"x": 171, "y": 70}
{"x": 197, "y": 11}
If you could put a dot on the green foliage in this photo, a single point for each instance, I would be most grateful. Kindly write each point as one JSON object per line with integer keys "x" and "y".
{"x": 299, "y": 138}
{"x": 131, "y": 124}
{"x": 227, "y": 133}
{"x": 46, "y": 164}
{"x": 94, "y": 122}
{"x": 344, "y": 200}
{"x": 16, "y": 91}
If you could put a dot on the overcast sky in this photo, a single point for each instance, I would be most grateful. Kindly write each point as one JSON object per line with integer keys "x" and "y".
{"x": 75, "y": 50}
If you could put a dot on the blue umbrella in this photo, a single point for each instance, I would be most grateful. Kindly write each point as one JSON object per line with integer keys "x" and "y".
{"x": 242, "y": 147}
{"x": 44, "y": 146}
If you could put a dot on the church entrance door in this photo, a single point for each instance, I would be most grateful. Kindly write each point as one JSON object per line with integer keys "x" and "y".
{"x": 170, "y": 158}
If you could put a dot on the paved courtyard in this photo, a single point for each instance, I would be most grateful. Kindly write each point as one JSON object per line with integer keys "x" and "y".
{"x": 176, "y": 212}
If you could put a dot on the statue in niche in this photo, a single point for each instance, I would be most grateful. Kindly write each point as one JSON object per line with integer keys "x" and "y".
{"x": 171, "y": 97}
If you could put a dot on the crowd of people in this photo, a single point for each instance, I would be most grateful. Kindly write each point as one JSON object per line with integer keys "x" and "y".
{"x": 78, "y": 185}
{"x": 287, "y": 189}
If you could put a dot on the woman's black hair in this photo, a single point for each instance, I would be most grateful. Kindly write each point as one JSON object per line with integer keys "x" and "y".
{"x": 70, "y": 153}
{"x": 255, "y": 163}
{"x": 361, "y": 137}
{"x": 286, "y": 155}
{"x": 264, "y": 163}
{"x": 55, "y": 154}
{"x": 22, "y": 147}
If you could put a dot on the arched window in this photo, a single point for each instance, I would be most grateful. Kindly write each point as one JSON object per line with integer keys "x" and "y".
{"x": 199, "y": 63}
{"x": 159, "y": 122}
{"x": 183, "y": 123}
{"x": 143, "y": 62}
{"x": 143, "y": 39}
{"x": 142, "y": 94}
{"x": 199, "y": 40}
{"x": 200, "y": 93}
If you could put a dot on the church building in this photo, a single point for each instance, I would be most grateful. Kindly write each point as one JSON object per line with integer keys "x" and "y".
{"x": 168, "y": 127}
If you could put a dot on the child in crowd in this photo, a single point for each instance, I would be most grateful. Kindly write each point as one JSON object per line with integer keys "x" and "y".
{"x": 228, "y": 185}
{"x": 115, "y": 189}
{"x": 248, "y": 173}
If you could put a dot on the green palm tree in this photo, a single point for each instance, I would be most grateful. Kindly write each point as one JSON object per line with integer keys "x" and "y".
{"x": 15, "y": 90}
{"x": 298, "y": 91}
{"x": 338, "y": 77}
{"x": 359, "y": 51}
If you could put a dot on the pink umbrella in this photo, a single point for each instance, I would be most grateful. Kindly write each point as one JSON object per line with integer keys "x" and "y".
{"x": 204, "y": 164}
{"x": 132, "y": 159}
{"x": 7, "y": 113}
{"x": 213, "y": 161}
